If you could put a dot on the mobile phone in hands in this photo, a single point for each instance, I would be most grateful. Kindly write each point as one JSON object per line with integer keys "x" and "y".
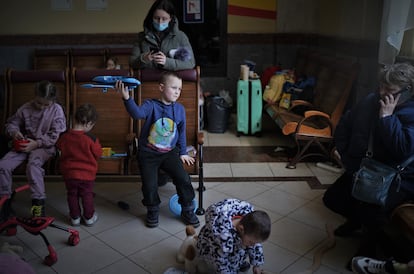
{"x": 154, "y": 50}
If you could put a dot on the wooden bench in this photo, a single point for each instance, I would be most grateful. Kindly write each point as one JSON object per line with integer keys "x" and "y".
{"x": 51, "y": 59}
{"x": 315, "y": 126}
{"x": 20, "y": 89}
{"x": 114, "y": 127}
{"x": 122, "y": 55}
{"x": 85, "y": 58}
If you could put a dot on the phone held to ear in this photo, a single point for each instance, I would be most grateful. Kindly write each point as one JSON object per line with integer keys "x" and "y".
{"x": 406, "y": 94}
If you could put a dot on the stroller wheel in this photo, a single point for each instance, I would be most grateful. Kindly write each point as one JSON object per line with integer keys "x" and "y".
{"x": 11, "y": 231}
{"x": 50, "y": 259}
{"x": 73, "y": 239}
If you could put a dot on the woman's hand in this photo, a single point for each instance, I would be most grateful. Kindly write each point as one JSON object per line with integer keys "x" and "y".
{"x": 120, "y": 87}
{"x": 187, "y": 160}
{"x": 388, "y": 104}
{"x": 159, "y": 58}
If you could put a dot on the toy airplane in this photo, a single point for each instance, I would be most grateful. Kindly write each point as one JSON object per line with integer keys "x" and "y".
{"x": 105, "y": 82}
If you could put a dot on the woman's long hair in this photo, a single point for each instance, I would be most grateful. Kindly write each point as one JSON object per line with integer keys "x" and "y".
{"x": 165, "y": 5}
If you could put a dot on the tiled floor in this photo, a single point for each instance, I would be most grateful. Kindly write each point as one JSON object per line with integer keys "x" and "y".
{"x": 120, "y": 243}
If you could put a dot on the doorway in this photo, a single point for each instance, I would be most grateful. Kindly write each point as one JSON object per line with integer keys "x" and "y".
{"x": 207, "y": 33}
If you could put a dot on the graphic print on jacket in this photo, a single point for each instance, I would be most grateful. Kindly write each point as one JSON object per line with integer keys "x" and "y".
{"x": 162, "y": 134}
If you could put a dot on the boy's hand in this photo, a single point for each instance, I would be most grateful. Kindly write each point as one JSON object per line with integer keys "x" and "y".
{"x": 258, "y": 270}
{"x": 17, "y": 135}
{"x": 187, "y": 160}
{"x": 120, "y": 87}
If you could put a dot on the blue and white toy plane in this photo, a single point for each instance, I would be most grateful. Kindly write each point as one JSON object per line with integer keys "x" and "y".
{"x": 105, "y": 82}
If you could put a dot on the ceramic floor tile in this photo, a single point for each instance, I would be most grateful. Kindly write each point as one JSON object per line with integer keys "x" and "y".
{"x": 300, "y": 188}
{"x": 251, "y": 170}
{"x": 122, "y": 266}
{"x": 317, "y": 215}
{"x": 338, "y": 257}
{"x": 295, "y": 236}
{"x": 304, "y": 265}
{"x": 242, "y": 190}
{"x": 267, "y": 139}
{"x": 211, "y": 196}
{"x": 279, "y": 169}
{"x": 276, "y": 257}
{"x": 320, "y": 171}
{"x": 132, "y": 236}
{"x": 223, "y": 139}
{"x": 88, "y": 256}
{"x": 217, "y": 170}
{"x": 327, "y": 180}
{"x": 278, "y": 201}
{"x": 158, "y": 257}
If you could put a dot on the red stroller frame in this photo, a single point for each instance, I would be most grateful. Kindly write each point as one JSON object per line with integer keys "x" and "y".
{"x": 33, "y": 225}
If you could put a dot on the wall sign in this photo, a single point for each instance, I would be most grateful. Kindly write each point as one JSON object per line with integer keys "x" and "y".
{"x": 193, "y": 11}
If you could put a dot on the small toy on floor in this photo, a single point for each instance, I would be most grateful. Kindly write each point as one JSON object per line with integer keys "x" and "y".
{"x": 123, "y": 205}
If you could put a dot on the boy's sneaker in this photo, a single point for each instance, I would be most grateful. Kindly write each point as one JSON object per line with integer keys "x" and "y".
{"x": 152, "y": 218}
{"x": 92, "y": 220}
{"x": 189, "y": 218}
{"x": 365, "y": 265}
{"x": 75, "y": 221}
{"x": 38, "y": 208}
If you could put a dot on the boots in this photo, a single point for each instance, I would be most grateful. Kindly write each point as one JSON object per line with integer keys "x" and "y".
{"x": 38, "y": 208}
{"x": 188, "y": 216}
{"x": 152, "y": 216}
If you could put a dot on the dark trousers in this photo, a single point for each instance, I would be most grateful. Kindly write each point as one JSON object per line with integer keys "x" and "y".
{"x": 170, "y": 163}
{"x": 80, "y": 190}
{"x": 338, "y": 198}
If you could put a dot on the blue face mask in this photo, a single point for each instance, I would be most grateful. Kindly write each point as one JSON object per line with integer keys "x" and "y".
{"x": 160, "y": 27}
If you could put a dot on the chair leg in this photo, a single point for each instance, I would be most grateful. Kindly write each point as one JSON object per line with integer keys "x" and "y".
{"x": 200, "y": 210}
{"x": 301, "y": 149}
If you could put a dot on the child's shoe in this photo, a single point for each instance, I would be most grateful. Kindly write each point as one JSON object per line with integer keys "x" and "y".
{"x": 75, "y": 221}
{"x": 152, "y": 216}
{"x": 38, "y": 208}
{"x": 92, "y": 220}
{"x": 189, "y": 218}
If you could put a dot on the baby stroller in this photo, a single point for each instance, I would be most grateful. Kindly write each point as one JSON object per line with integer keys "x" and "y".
{"x": 33, "y": 225}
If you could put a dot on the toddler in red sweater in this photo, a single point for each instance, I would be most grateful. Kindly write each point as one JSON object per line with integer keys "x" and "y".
{"x": 79, "y": 152}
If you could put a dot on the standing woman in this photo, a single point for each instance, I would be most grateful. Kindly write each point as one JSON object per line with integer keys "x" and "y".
{"x": 162, "y": 44}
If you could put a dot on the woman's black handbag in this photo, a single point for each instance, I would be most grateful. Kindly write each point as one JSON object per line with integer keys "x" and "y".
{"x": 373, "y": 180}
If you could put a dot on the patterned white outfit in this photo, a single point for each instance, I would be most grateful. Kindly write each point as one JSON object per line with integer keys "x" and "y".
{"x": 220, "y": 245}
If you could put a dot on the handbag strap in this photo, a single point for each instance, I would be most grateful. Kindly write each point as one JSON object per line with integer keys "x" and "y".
{"x": 370, "y": 151}
{"x": 404, "y": 164}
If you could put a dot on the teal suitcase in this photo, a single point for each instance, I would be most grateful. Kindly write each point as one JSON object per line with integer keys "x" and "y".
{"x": 249, "y": 107}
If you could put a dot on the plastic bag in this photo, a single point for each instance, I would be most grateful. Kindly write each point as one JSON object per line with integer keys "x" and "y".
{"x": 225, "y": 94}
